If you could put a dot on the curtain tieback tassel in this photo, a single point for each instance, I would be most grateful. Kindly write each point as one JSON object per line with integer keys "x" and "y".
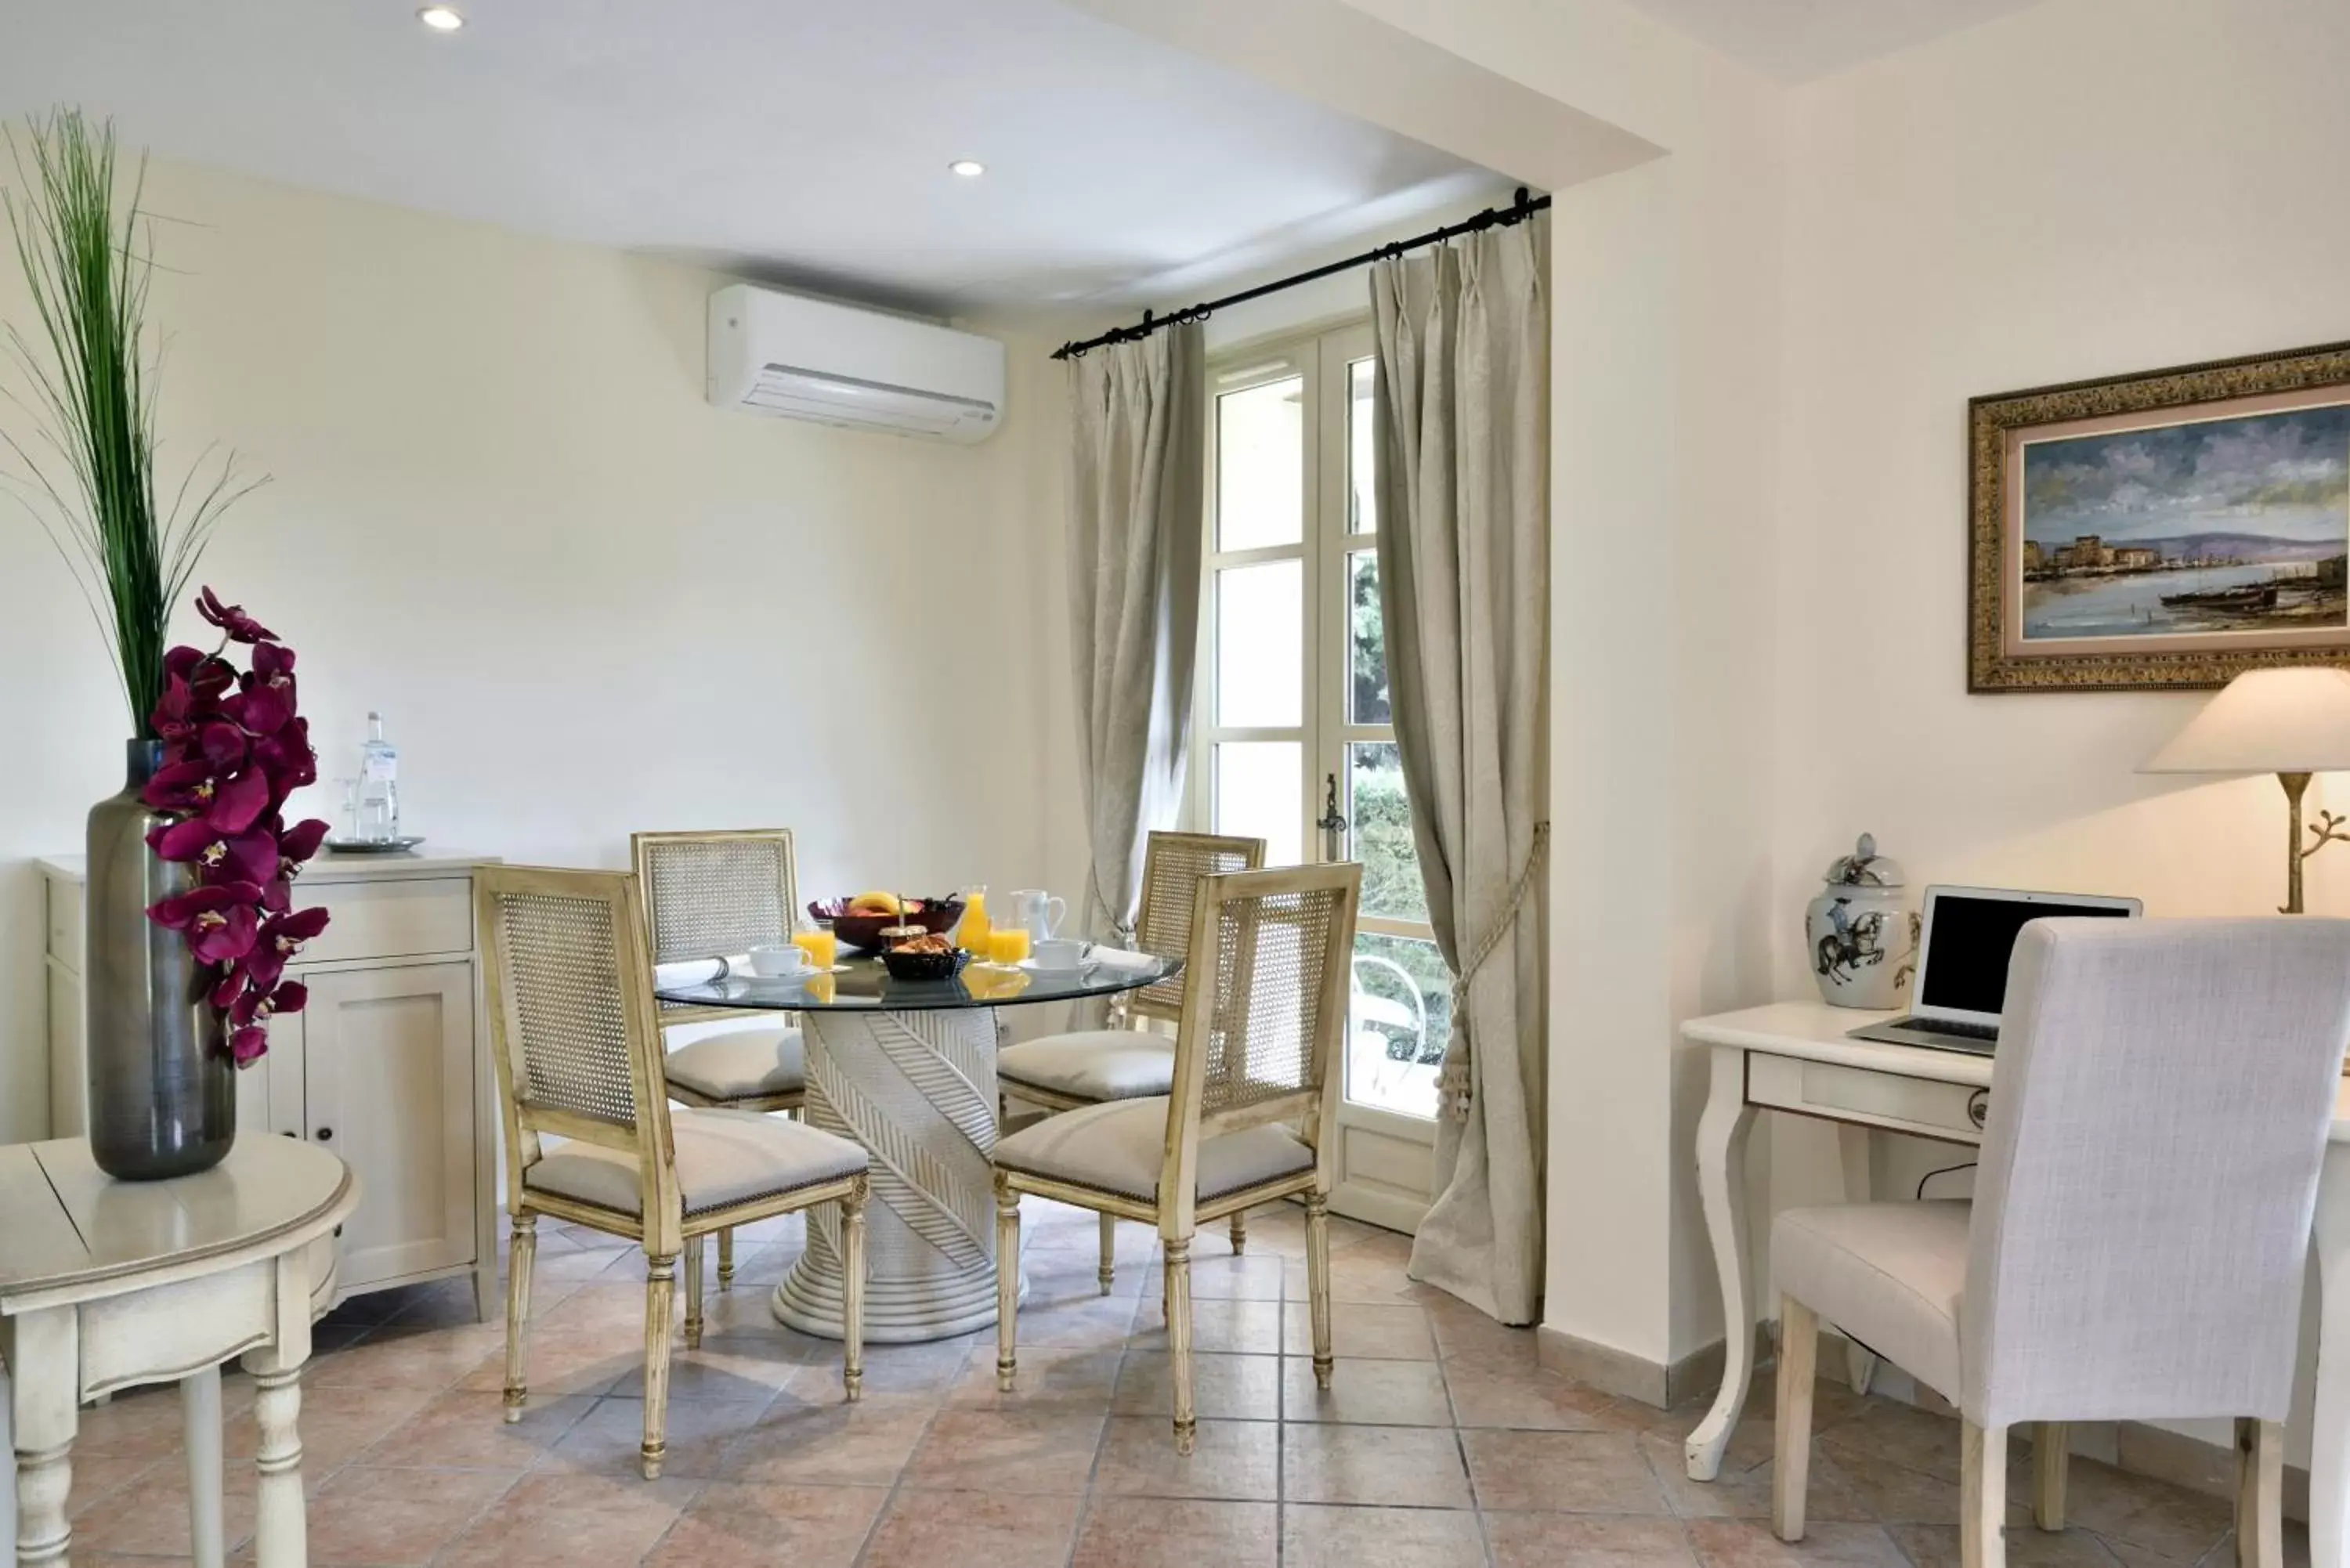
{"x": 1456, "y": 1083}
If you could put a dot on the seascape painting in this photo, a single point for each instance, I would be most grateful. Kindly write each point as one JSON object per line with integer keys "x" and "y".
{"x": 2218, "y": 526}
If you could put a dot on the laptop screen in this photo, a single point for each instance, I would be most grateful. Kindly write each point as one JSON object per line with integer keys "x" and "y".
{"x": 1966, "y": 971}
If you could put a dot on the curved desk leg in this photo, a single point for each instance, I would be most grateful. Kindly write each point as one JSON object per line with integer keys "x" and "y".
{"x": 2329, "y": 1439}
{"x": 1721, "y": 1186}
{"x": 43, "y": 1356}
{"x": 1851, "y": 1148}
{"x": 199, "y": 1434}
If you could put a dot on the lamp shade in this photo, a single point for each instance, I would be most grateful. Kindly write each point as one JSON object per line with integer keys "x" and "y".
{"x": 2266, "y": 721}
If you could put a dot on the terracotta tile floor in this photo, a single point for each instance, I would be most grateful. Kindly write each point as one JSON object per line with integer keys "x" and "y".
{"x": 1442, "y": 1445}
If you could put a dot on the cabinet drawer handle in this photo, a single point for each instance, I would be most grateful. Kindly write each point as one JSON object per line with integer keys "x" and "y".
{"x": 326, "y": 1135}
{"x": 1978, "y": 1106}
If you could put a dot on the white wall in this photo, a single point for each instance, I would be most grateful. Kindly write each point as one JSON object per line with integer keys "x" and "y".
{"x": 2089, "y": 188}
{"x": 585, "y": 601}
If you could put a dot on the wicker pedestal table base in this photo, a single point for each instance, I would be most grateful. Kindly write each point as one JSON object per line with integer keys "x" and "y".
{"x": 918, "y": 1090}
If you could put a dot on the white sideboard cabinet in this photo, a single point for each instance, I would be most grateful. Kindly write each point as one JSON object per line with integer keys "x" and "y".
{"x": 388, "y": 1067}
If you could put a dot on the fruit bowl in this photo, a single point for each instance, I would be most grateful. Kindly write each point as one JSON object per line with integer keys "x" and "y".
{"x": 919, "y": 963}
{"x": 862, "y": 930}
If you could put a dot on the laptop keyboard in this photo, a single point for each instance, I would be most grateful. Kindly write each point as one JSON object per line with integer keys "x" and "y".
{"x": 1951, "y": 1026}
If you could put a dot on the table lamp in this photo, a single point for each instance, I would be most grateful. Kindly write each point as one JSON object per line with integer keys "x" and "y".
{"x": 2290, "y": 722}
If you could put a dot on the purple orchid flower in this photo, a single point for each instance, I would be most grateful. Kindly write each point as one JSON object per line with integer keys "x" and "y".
{"x": 257, "y": 1005}
{"x": 287, "y": 757}
{"x": 299, "y": 843}
{"x": 224, "y": 744}
{"x": 235, "y": 749}
{"x": 180, "y": 786}
{"x": 222, "y": 921}
{"x": 231, "y": 619}
{"x": 237, "y": 804}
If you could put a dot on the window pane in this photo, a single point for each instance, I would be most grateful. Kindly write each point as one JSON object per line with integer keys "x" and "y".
{"x": 1261, "y": 466}
{"x": 1362, "y": 454}
{"x": 1366, "y": 651}
{"x": 1380, "y": 819}
{"x": 1257, "y": 786}
{"x": 1396, "y": 1029}
{"x": 1260, "y": 645}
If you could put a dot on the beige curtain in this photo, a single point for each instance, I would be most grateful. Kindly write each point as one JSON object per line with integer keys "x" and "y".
{"x": 1461, "y": 402}
{"x": 1138, "y": 421}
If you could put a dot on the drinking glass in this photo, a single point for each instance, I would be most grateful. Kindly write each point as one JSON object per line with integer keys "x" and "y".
{"x": 1007, "y": 945}
{"x": 823, "y": 949}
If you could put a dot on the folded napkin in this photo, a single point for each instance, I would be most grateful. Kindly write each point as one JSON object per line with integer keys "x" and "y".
{"x": 696, "y": 971}
{"x": 1123, "y": 959}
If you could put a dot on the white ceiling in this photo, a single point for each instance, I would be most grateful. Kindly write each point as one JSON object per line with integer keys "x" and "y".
{"x": 1802, "y": 40}
{"x": 802, "y": 142}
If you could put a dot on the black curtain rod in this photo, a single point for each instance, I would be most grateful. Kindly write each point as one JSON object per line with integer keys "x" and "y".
{"x": 1524, "y": 207}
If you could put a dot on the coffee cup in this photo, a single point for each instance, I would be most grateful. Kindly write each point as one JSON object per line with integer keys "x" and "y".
{"x": 778, "y": 961}
{"x": 1058, "y": 952}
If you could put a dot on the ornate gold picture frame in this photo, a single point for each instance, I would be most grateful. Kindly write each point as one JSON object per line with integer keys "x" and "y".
{"x": 2169, "y": 530}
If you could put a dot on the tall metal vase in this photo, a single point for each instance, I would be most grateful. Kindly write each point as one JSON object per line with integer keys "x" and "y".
{"x": 163, "y": 1087}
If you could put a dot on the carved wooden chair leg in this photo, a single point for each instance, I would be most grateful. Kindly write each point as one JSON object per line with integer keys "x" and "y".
{"x": 726, "y": 1259}
{"x": 1982, "y": 1496}
{"x": 1317, "y": 1282}
{"x": 694, "y": 1248}
{"x": 2051, "y": 1462}
{"x": 852, "y": 1292}
{"x": 522, "y": 1255}
{"x": 1240, "y": 1233}
{"x": 1179, "y": 1343}
{"x": 1108, "y": 1272}
{"x": 1790, "y": 1443}
{"x": 661, "y": 1280}
{"x": 1007, "y": 1283}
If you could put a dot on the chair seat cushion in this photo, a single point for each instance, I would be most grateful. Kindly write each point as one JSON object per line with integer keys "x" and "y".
{"x": 1117, "y": 1147}
{"x": 723, "y": 1158}
{"x": 1092, "y": 1065}
{"x": 1887, "y": 1274}
{"x": 734, "y": 1062}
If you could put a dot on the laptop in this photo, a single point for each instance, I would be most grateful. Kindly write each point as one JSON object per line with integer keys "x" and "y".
{"x": 1962, "y": 963}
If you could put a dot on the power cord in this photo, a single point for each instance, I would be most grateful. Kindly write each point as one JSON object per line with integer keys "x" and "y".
{"x": 1946, "y": 1171}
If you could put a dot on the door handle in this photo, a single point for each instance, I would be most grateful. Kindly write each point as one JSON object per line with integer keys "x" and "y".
{"x": 1332, "y": 823}
{"x": 326, "y": 1134}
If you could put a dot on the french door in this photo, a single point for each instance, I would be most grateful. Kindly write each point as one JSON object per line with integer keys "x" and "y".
{"x": 1295, "y": 743}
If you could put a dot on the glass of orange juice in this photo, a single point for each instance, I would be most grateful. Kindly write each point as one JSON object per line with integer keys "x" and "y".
{"x": 823, "y": 949}
{"x": 1007, "y": 945}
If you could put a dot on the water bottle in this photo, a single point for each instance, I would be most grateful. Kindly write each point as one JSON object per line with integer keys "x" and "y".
{"x": 379, "y": 804}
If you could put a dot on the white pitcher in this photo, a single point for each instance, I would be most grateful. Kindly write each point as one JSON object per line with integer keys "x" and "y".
{"x": 1038, "y": 913}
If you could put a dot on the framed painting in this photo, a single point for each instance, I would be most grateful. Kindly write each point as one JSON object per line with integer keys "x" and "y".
{"x": 2165, "y": 530}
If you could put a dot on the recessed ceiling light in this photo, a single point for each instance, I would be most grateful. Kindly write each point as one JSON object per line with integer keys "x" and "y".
{"x": 969, "y": 168}
{"x": 441, "y": 18}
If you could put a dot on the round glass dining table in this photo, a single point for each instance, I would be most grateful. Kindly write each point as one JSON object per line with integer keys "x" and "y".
{"x": 908, "y": 1069}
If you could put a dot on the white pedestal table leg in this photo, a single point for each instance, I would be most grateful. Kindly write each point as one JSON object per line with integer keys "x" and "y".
{"x": 918, "y": 1090}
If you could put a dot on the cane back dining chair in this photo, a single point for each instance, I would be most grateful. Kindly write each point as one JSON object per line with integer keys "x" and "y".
{"x": 1129, "y": 1060}
{"x": 2141, "y": 1216}
{"x": 1248, "y": 1120}
{"x": 572, "y": 1028}
{"x": 707, "y": 894}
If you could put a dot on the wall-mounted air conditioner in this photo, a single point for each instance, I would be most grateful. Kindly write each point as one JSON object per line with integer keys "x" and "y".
{"x": 810, "y": 359}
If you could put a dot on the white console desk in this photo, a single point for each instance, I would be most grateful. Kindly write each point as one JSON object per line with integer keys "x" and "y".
{"x": 1796, "y": 1056}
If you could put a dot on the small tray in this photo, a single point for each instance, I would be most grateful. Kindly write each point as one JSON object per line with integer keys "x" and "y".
{"x": 372, "y": 846}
